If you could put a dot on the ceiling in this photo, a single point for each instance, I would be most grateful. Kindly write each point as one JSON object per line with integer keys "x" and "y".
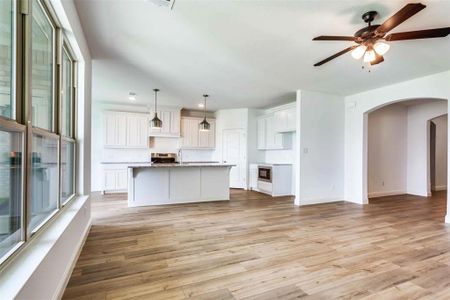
{"x": 246, "y": 53}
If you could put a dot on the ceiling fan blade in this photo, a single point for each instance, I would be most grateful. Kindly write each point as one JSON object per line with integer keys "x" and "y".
{"x": 334, "y": 38}
{"x": 419, "y": 34}
{"x": 335, "y": 55}
{"x": 401, "y": 16}
{"x": 378, "y": 59}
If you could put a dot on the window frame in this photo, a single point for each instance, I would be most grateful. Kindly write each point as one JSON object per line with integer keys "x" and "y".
{"x": 50, "y": 17}
{"x": 21, "y": 112}
{"x": 12, "y": 126}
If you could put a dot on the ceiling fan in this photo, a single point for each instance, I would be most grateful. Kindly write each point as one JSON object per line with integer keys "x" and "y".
{"x": 369, "y": 40}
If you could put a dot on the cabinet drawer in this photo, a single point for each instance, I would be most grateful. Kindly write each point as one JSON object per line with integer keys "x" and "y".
{"x": 264, "y": 186}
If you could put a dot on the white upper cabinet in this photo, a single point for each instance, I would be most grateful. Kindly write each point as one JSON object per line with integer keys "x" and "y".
{"x": 285, "y": 119}
{"x": 274, "y": 127}
{"x": 192, "y": 138}
{"x": 137, "y": 130}
{"x": 125, "y": 130}
{"x": 115, "y": 129}
{"x": 261, "y": 133}
{"x": 170, "y": 118}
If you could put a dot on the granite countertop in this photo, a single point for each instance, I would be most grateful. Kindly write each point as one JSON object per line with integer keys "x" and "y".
{"x": 183, "y": 165}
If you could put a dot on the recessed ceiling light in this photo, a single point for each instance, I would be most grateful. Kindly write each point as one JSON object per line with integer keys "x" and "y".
{"x": 201, "y": 105}
{"x": 132, "y": 96}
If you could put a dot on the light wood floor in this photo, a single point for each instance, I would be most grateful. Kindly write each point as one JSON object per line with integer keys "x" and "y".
{"x": 257, "y": 247}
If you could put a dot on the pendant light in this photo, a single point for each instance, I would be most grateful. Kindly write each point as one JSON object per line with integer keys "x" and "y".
{"x": 156, "y": 122}
{"x": 204, "y": 125}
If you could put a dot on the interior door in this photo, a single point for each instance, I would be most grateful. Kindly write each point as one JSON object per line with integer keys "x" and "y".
{"x": 234, "y": 152}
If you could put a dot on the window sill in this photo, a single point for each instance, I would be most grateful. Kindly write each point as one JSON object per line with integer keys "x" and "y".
{"x": 19, "y": 269}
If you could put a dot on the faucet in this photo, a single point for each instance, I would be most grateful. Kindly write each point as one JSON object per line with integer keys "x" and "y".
{"x": 180, "y": 156}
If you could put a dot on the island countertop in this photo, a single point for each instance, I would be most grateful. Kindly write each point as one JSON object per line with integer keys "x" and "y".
{"x": 179, "y": 165}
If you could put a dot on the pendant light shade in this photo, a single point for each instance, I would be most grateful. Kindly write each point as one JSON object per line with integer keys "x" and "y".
{"x": 204, "y": 125}
{"x": 156, "y": 122}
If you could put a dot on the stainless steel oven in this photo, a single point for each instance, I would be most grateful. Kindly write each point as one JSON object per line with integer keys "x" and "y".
{"x": 265, "y": 173}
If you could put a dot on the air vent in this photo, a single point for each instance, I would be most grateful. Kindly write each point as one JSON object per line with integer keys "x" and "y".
{"x": 163, "y": 3}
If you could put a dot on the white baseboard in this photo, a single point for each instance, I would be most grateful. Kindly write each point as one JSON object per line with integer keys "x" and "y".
{"x": 440, "y": 188}
{"x": 447, "y": 218}
{"x": 74, "y": 258}
{"x": 386, "y": 193}
{"x": 311, "y": 201}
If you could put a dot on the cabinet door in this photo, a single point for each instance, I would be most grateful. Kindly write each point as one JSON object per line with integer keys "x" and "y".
{"x": 121, "y": 179}
{"x": 166, "y": 121}
{"x": 175, "y": 122}
{"x": 109, "y": 180}
{"x": 193, "y": 132}
{"x": 185, "y": 138}
{"x": 212, "y": 134}
{"x": 270, "y": 132}
{"x": 206, "y": 139}
{"x": 137, "y": 130}
{"x": 109, "y": 129}
{"x": 115, "y": 129}
{"x": 261, "y": 133}
{"x": 280, "y": 121}
{"x": 291, "y": 119}
{"x": 121, "y": 129}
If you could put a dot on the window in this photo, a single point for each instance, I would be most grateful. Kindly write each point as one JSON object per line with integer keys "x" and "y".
{"x": 34, "y": 141}
{"x": 66, "y": 95}
{"x": 44, "y": 178}
{"x": 42, "y": 42}
{"x": 11, "y": 178}
{"x": 6, "y": 58}
{"x": 67, "y": 170}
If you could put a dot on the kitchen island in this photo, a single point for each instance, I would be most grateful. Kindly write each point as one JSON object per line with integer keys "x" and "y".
{"x": 156, "y": 184}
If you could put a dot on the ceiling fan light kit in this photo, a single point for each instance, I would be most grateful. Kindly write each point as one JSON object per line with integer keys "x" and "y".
{"x": 369, "y": 40}
{"x": 358, "y": 52}
{"x": 369, "y": 56}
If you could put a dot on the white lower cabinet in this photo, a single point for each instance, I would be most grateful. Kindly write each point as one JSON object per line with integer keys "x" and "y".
{"x": 253, "y": 177}
{"x": 115, "y": 179}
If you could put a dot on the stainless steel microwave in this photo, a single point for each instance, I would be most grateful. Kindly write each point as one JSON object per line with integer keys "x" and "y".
{"x": 265, "y": 173}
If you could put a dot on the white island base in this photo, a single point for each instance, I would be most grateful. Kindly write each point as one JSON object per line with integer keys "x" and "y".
{"x": 177, "y": 183}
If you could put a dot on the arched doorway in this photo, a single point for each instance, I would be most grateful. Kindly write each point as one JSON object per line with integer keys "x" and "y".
{"x": 398, "y": 147}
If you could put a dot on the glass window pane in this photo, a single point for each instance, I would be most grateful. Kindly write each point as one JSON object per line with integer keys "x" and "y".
{"x": 44, "y": 181}
{"x": 6, "y": 61}
{"x": 11, "y": 149}
{"x": 66, "y": 99}
{"x": 41, "y": 69}
{"x": 67, "y": 169}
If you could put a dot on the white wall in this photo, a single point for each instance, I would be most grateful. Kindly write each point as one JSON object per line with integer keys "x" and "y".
{"x": 418, "y": 159}
{"x": 358, "y": 105}
{"x": 387, "y": 145}
{"x": 441, "y": 153}
{"x": 320, "y": 142}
